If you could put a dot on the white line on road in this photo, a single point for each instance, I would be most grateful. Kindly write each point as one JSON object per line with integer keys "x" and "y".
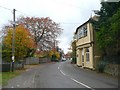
{"x": 62, "y": 72}
{"x": 18, "y": 85}
{"x": 58, "y": 67}
{"x": 82, "y": 84}
{"x": 12, "y": 87}
{"x": 76, "y": 80}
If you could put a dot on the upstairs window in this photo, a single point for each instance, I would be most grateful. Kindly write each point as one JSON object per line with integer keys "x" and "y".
{"x": 82, "y": 32}
{"x": 85, "y": 30}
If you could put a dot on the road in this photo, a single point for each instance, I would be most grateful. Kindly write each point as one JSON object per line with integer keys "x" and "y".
{"x": 62, "y": 75}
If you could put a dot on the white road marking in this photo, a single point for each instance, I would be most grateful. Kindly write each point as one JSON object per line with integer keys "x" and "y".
{"x": 58, "y": 67}
{"x": 18, "y": 85}
{"x": 62, "y": 72}
{"x": 12, "y": 87}
{"x": 76, "y": 80}
{"x": 81, "y": 83}
{"x": 68, "y": 75}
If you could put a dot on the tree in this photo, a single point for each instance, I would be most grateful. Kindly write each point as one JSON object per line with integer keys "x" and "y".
{"x": 73, "y": 51}
{"x": 54, "y": 54}
{"x": 114, "y": 40}
{"x": 23, "y": 42}
{"x": 44, "y": 31}
{"x": 108, "y": 32}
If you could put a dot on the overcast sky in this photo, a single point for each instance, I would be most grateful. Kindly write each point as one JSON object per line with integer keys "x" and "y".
{"x": 69, "y": 13}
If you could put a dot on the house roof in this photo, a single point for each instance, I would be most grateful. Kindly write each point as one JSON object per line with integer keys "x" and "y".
{"x": 82, "y": 25}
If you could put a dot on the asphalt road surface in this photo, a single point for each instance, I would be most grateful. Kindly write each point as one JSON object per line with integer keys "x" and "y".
{"x": 62, "y": 75}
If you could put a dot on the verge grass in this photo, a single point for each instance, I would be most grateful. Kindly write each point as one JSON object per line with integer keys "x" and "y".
{"x": 6, "y": 76}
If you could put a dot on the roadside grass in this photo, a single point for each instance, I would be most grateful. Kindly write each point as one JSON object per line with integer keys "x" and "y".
{"x": 0, "y": 78}
{"x": 6, "y": 76}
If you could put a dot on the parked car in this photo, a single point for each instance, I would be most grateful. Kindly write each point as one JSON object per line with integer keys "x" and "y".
{"x": 63, "y": 59}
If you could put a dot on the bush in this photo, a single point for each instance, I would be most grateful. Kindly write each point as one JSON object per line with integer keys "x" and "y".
{"x": 100, "y": 67}
{"x": 73, "y": 60}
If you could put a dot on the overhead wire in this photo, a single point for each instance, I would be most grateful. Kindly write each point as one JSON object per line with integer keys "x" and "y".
{"x": 24, "y": 14}
{"x": 5, "y": 8}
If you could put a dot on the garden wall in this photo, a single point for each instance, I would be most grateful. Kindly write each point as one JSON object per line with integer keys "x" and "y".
{"x": 112, "y": 69}
{"x": 32, "y": 60}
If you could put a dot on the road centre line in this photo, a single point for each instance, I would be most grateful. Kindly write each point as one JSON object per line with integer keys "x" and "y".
{"x": 82, "y": 84}
{"x": 18, "y": 85}
{"x": 76, "y": 80}
{"x": 62, "y": 72}
{"x": 12, "y": 87}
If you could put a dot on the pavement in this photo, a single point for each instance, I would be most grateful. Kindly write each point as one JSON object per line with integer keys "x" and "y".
{"x": 61, "y": 75}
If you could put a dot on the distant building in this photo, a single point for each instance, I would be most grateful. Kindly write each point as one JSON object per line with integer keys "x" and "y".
{"x": 87, "y": 52}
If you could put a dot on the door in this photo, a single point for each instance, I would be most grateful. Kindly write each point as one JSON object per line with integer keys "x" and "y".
{"x": 83, "y": 57}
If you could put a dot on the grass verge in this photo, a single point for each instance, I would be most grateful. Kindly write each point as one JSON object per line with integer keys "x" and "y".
{"x": 7, "y": 76}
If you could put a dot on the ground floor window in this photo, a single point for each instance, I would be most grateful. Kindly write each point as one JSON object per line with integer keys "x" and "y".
{"x": 83, "y": 57}
{"x": 87, "y": 55}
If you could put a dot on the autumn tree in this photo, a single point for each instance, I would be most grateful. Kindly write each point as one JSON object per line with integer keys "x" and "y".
{"x": 44, "y": 31}
{"x": 54, "y": 53}
{"x": 23, "y": 42}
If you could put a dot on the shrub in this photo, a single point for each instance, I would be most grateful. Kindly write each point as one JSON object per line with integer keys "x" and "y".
{"x": 100, "y": 67}
{"x": 73, "y": 60}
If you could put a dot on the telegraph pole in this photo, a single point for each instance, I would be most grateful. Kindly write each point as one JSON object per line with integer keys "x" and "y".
{"x": 13, "y": 41}
{"x": 54, "y": 46}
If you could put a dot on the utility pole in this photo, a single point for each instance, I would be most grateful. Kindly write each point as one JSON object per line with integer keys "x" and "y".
{"x": 54, "y": 50}
{"x": 13, "y": 41}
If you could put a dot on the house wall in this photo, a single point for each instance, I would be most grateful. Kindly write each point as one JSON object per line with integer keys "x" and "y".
{"x": 82, "y": 44}
{"x": 89, "y": 64}
{"x": 79, "y": 63}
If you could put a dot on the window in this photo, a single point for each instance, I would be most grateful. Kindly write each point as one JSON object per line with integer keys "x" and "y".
{"x": 83, "y": 55}
{"x": 78, "y": 34}
{"x": 82, "y": 32}
{"x": 85, "y": 30}
{"x": 87, "y": 55}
